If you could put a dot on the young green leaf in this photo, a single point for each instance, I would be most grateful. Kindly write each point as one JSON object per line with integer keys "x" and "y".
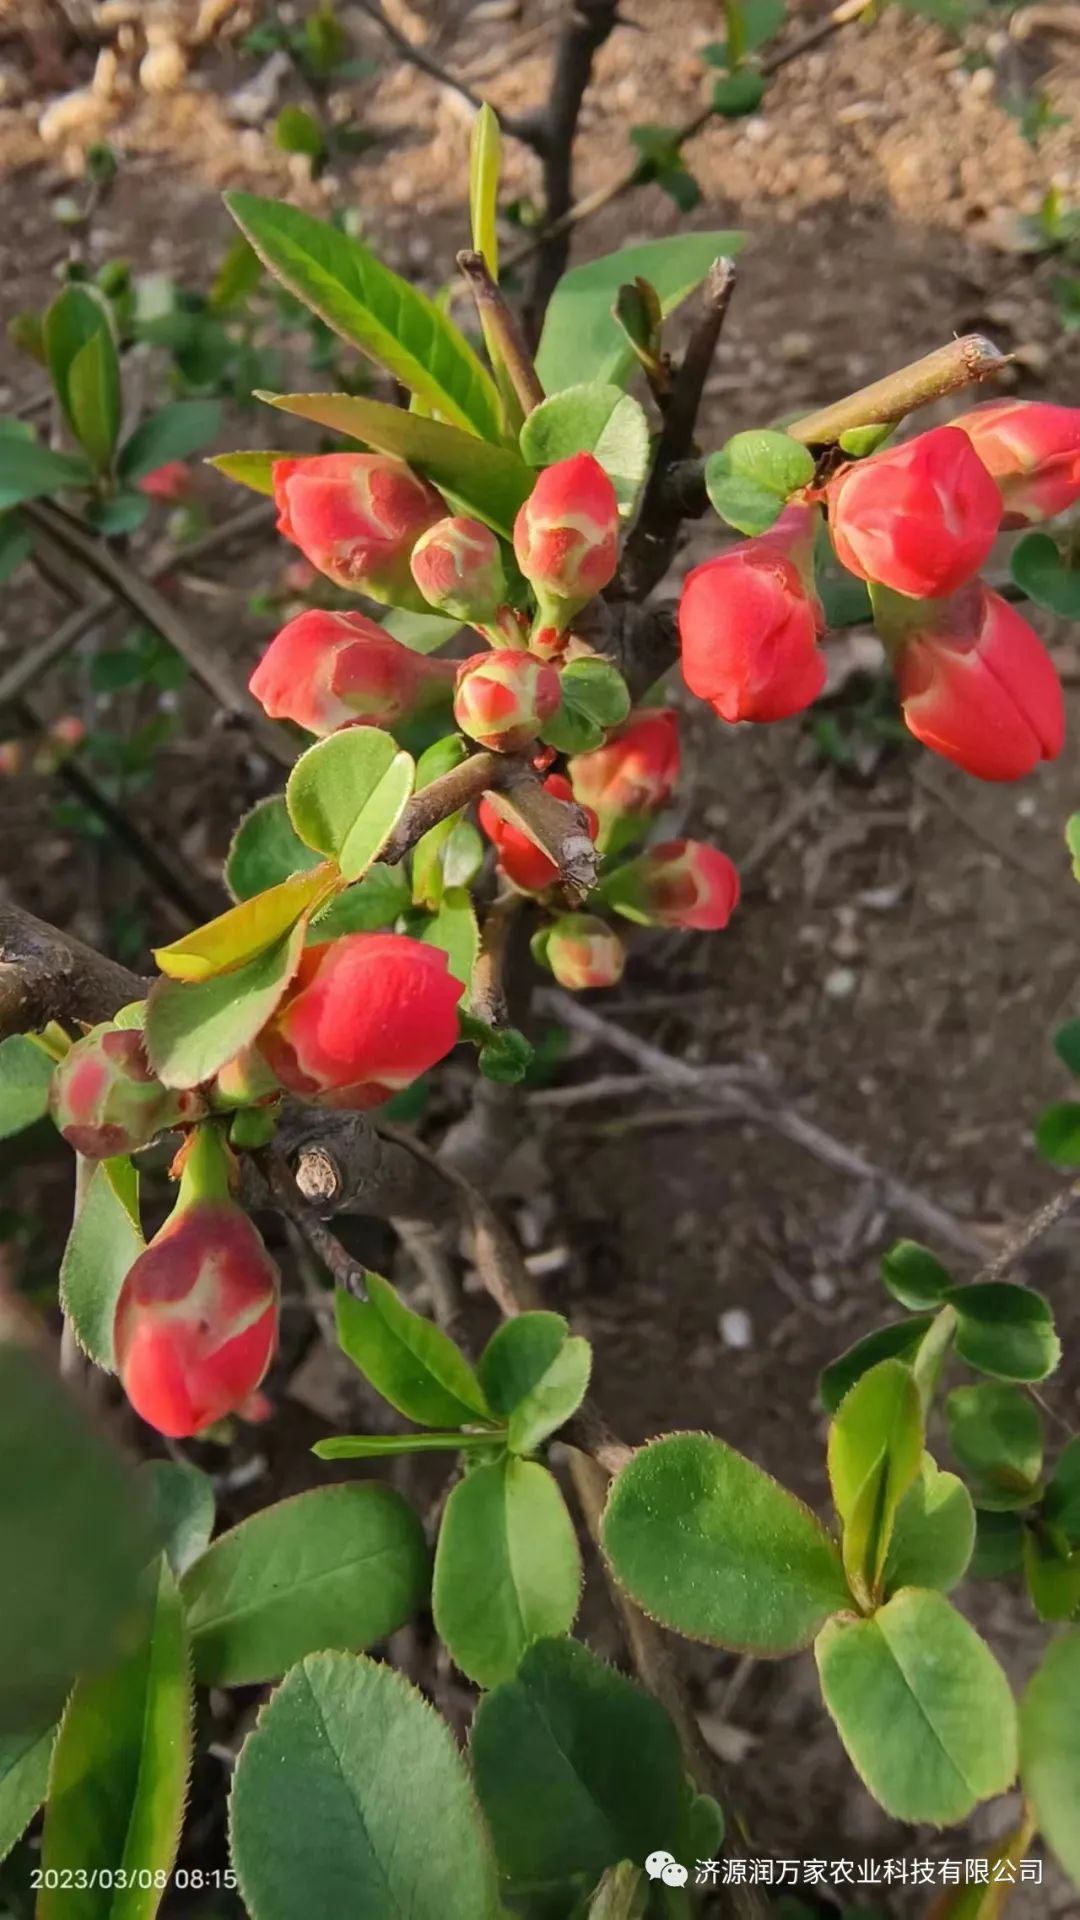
{"x": 875, "y": 1452}
{"x": 576, "y": 1768}
{"x": 350, "y": 1797}
{"x": 900, "y": 1340}
{"x": 104, "y": 1242}
{"x": 194, "y": 1027}
{"x": 373, "y": 902}
{"x": 119, "y": 1772}
{"x": 85, "y": 370}
{"x": 933, "y": 1535}
{"x": 1005, "y": 1330}
{"x": 246, "y": 930}
{"x": 556, "y": 1396}
{"x": 739, "y": 93}
{"x": 594, "y": 697}
{"x": 581, "y": 340}
{"x": 1053, "y": 1577}
{"x": 251, "y": 469}
{"x": 1067, "y": 1046}
{"x": 621, "y": 1894}
{"x": 507, "y": 1568}
{"x": 176, "y": 431}
{"x": 346, "y": 794}
{"x": 340, "y": 1567}
{"x": 996, "y": 1435}
{"x": 517, "y": 1357}
{"x": 1057, "y": 1133}
{"x": 384, "y": 1446}
{"x": 1050, "y": 1750}
{"x": 999, "y": 1545}
{"x": 488, "y": 481}
{"x": 24, "y": 1776}
{"x": 1041, "y": 570}
{"x": 373, "y": 308}
{"x": 1061, "y": 1504}
{"x": 26, "y": 1072}
{"x": 915, "y": 1276}
{"x": 181, "y": 1500}
{"x": 710, "y": 1545}
{"x": 265, "y": 850}
{"x": 454, "y": 928}
{"x": 410, "y": 1361}
{"x": 598, "y": 419}
{"x": 751, "y": 477}
{"x": 485, "y": 159}
{"x": 925, "y": 1712}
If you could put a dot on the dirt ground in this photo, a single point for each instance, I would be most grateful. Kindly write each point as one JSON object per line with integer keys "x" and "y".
{"x": 907, "y": 942}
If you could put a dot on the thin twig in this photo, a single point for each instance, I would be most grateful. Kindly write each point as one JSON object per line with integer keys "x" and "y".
{"x": 501, "y": 325}
{"x": 480, "y": 773}
{"x": 523, "y": 130}
{"x": 962, "y": 363}
{"x": 1030, "y": 1230}
{"x": 488, "y": 986}
{"x": 588, "y": 25}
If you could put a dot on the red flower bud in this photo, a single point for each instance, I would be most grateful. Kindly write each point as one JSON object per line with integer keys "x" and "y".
{"x": 1032, "y": 449}
{"x": 357, "y": 517}
{"x": 170, "y": 482}
{"x": 749, "y": 625}
{"x": 196, "y": 1320}
{"x": 978, "y": 686}
{"x": 525, "y": 864}
{"x": 457, "y": 565}
{"x": 635, "y": 770}
{"x": 105, "y": 1099}
{"x": 566, "y": 538}
{"x": 364, "y": 1017}
{"x": 583, "y": 951}
{"x": 920, "y": 518}
{"x": 330, "y": 670}
{"x": 680, "y": 883}
{"x": 503, "y": 699}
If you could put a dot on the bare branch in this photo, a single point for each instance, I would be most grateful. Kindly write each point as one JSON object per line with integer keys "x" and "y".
{"x": 340, "y": 1163}
{"x": 588, "y": 25}
{"x": 559, "y": 827}
{"x": 963, "y": 363}
{"x": 501, "y": 325}
{"x": 46, "y": 975}
{"x": 530, "y": 133}
{"x": 480, "y": 773}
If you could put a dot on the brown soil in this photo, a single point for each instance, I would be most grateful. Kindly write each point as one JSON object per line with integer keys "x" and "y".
{"x": 906, "y": 945}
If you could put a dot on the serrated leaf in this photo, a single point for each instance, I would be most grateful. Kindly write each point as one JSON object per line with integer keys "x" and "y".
{"x": 598, "y": 419}
{"x": 265, "y": 850}
{"x": 26, "y": 1072}
{"x": 410, "y": 1361}
{"x": 1005, "y": 1330}
{"x": 1050, "y": 1750}
{"x": 181, "y": 1500}
{"x": 710, "y": 1545}
{"x": 349, "y": 288}
{"x": 104, "y": 1242}
{"x": 339, "y": 1567}
{"x": 915, "y": 1276}
{"x": 517, "y": 1357}
{"x": 455, "y": 930}
{"x": 900, "y": 1340}
{"x": 924, "y": 1711}
{"x": 875, "y": 1452}
{"x": 81, "y": 354}
{"x": 373, "y": 902}
{"x": 1040, "y": 570}
{"x": 507, "y": 1568}
{"x": 346, "y": 794}
{"x": 581, "y": 340}
{"x": 24, "y": 1775}
{"x": 933, "y": 1533}
{"x": 246, "y": 930}
{"x": 350, "y": 1797}
{"x": 194, "y": 1026}
{"x": 488, "y": 481}
{"x": 556, "y": 1396}
{"x": 119, "y": 1772}
{"x": 593, "y": 697}
{"x": 996, "y": 1435}
{"x": 176, "y": 431}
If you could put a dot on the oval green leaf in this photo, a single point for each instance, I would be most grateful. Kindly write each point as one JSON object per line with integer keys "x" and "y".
{"x": 247, "y": 929}
{"x": 875, "y": 1452}
{"x": 85, "y": 370}
{"x": 1005, "y": 1330}
{"x": 915, "y": 1276}
{"x": 194, "y": 1026}
{"x": 517, "y": 1357}
{"x": 556, "y": 1396}
{"x": 265, "y": 850}
{"x": 582, "y": 340}
{"x": 105, "y": 1240}
{"x": 1050, "y": 1750}
{"x": 182, "y": 1505}
{"x": 346, "y": 794}
{"x": 900, "y": 1340}
{"x": 599, "y": 419}
{"x": 26, "y": 1072}
{"x": 410, "y": 1361}
{"x": 933, "y": 1534}
{"x": 24, "y": 1775}
{"x": 996, "y": 1435}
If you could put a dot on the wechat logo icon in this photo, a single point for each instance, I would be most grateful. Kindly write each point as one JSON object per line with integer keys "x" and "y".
{"x": 664, "y": 1867}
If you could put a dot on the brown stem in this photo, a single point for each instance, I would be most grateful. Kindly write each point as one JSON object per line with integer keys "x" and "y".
{"x": 530, "y": 134}
{"x": 501, "y": 326}
{"x": 339, "y": 1163}
{"x": 46, "y": 975}
{"x": 480, "y": 773}
{"x": 963, "y": 363}
{"x": 559, "y": 827}
{"x": 589, "y": 24}
{"x": 339, "y": 1263}
{"x": 488, "y": 987}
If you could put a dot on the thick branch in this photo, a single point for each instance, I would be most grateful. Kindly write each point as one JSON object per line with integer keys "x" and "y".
{"x": 46, "y": 975}
{"x": 589, "y": 24}
{"x": 340, "y": 1163}
{"x": 480, "y": 773}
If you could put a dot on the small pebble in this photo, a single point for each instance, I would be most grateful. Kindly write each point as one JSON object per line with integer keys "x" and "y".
{"x": 736, "y": 1328}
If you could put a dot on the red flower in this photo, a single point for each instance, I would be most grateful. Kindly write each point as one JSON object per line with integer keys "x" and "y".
{"x": 105, "y": 1099}
{"x": 635, "y": 771}
{"x": 196, "y": 1320}
{"x": 566, "y": 538}
{"x": 749, "y": 625}
{"x": 357, "y": 517}
{"x": 504, "y": 699}
{"x": 457, "y": 565}
{"x": 330, "y": 670}
{"x": 364, "y": 1017}
{"x": 583, "y": 951}
{"x": 171, "y": 482}
{"x": 920, "y": 518}
{"x": 525, "y": 864}
{"x": 1033, "y": 451}
{"x": 978, "y": 686}
{"x": 680, "y": 883}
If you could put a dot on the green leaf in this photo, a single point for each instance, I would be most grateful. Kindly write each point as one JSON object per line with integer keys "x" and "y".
{"x": 875, "y": 1452}
{"x": 121, "y": 513}
{"x": 923, "y": 1709}
{"x": 384, "y": 1446}
{"x": 28, "y": 470}
{"x": 594, "y": 697}
{"x": 265, "y": 850}
{"x": 181, "y": 1499}
{"x": 1067, "y": 1046}
{"x": 454, "y": 928}
{"x": 410, "y": 1361}
{"x": 1061, "y": 1504}
{"x": 517, "y": 1357}
{"x": 423, "y": 632}
{"x": 104, "y": 1242}
{"x": 254, "y": 470}
{"x": 488, "y": 481}
{"x": 933, "y": 1534}
{"x": 1005, "y": 1330}
{"x": 351, "y": 1798}
{"x": 915, "y": 1276}
{"x": 375, "y": 901}
{"x": 738, "y": 93}
{"x": 708, "y": 1544}
{"x": 999, "y": 1545}
{"x": 26, "y": 1072}
{"x": 24, "y": 1776}
{"x": 244, "y": 931}
{"x": 485, "y": 159}
{"x": 597, "y": 419}
{"x": 621, "y": 1894}
{"x": 576, "y": 1768}
{"x": 996, "y": 1435}
{"x": 340, "y": 1567}
{"x": 1040, "y": 570}
{"x": 346, "y": 794}
{"x": 582, "y": 341}
{"x": 1057, "y": 1133}
{"x": 751, "y": 477}
{"x": 757, "y": 21}
{"x": 84, "y": 369}
{"x": 1050, "y": 1750}
{"x": 1072, "y": 841}
{"x": 507, "y": 1568}
{"x": 374, "y": 309}
{"x": 173, "y": 432}
{"x": 743, "y": 503}
{"x": 1053, "y": 1577}
{"x": 194, "y": 1026}
{"x": 297, "y": 131}
{"x": 900, "y": 1340}
{"x": 119, "y": 1773}
{"x": 556, "y": 1396}
{"x": 238, "y": 276}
